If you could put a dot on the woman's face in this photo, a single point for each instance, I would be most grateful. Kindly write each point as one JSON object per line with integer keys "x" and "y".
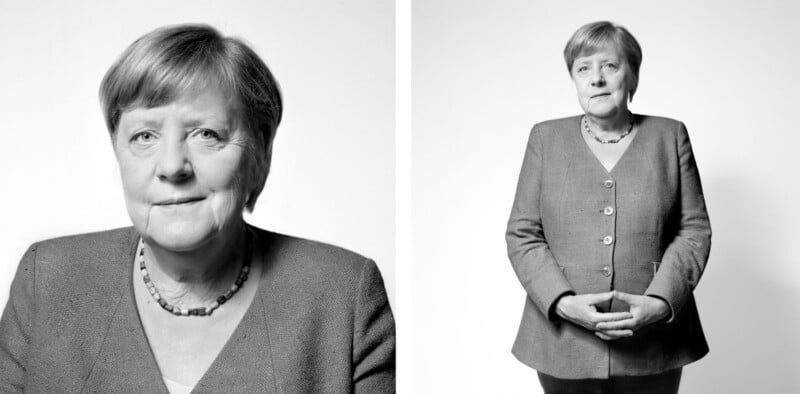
{"x": 601, "y": 81}
{"x": 183, "y": 167}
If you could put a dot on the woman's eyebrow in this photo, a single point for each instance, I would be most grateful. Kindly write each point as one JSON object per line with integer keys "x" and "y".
{"x": 139, "y": 121}
{"x": 193, "y": 121}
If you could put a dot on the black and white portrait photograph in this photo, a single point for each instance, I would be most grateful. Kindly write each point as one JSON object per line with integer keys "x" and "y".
{"x": 413, "y": 196}
{"x": 603, "y": 197}
{"x": 199, "y": 197}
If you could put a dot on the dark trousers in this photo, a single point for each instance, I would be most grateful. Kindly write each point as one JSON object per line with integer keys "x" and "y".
{"x": 662, "y": 383}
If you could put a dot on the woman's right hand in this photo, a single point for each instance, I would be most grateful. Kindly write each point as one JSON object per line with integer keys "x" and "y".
{"x": 581, "y": 310}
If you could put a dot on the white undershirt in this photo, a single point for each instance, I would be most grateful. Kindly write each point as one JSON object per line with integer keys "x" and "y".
{"x": 176, "y": 388}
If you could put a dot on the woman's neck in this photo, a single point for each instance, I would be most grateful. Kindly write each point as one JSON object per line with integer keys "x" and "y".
{"x": 617, "y": 123}
{"x": 197, "y": 275}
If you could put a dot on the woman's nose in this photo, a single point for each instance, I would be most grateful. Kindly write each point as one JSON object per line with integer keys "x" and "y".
{"x": 597, "y": 78}
{"x": 173, "y": 163}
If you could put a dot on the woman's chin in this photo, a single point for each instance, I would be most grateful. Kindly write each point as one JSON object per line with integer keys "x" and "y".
{"x": 604, "y": 112}
{"x": 179, "y": 236}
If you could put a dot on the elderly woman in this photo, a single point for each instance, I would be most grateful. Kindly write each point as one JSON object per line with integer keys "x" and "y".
{"x": 608, "y": 234}
{"x": 192, "y": 297}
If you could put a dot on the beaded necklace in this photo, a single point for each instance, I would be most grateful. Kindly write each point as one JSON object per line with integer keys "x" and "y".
{"x": 613, "y": 140}
{"x": 199, "y": 311}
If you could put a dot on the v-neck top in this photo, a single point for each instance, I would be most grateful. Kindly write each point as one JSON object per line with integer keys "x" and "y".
{"x": 130, "y": 339}
{"x": 320, "y": 322}
{"x": 577, "y": 228}
{"x": 628, "y": 141}
{"x": 632, "y": 138}
{"x": 148, "y": 312}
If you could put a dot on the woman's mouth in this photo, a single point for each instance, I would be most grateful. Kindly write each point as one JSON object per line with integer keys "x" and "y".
{"x": 178, "y": 201}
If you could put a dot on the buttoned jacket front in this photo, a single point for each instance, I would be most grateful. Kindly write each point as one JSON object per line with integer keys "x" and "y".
{"x": 641, "y": 228}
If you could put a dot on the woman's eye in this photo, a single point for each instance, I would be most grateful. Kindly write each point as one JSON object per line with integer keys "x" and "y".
{"x": 612, "y": 66}
{"x": 208, "y": 134}
{"x": 144, "y": 137}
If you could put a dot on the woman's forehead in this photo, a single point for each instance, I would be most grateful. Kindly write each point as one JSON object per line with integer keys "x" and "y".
{"x": 197, "y": 93}
{"x": 165, "y": 85}
{"x": 192, "y": 105}
{"x": 604, "y": 50}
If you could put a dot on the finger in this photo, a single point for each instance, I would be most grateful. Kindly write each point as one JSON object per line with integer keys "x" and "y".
{"x": 629, "y": 299}
{"x": 603, "y": 336}
{"x": 598, "y": 317}
{"x": 614, "y": 334}
{"x": 628, "y": 324}
{"x": 597, "y": 298}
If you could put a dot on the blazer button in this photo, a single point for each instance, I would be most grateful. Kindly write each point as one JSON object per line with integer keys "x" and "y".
{"x": 606, "y": 271}
{"x": 608, "y": 211}
{"x": 609, "y": 183}
{"x": 608, "y": 240}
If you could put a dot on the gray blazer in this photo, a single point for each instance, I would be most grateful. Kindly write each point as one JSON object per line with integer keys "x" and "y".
{"x": 320, "y": 322}
{"x": 576, "y": 228}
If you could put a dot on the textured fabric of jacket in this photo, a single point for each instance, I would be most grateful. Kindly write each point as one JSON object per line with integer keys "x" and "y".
{"x": 320, "y": 322}
{"x": 641, "y": 228}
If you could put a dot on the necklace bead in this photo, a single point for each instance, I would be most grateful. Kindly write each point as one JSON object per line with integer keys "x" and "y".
{"x": 589, "y": 131}
{"x": 199, "y": 311}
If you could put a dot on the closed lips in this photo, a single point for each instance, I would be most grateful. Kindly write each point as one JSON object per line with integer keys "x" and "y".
{"x": 176, "y": 201}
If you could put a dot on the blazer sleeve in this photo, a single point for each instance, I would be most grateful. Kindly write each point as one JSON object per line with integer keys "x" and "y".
{"x": 685, "y": 258}
{"x": 530, "y": 255}
{"x": 373, "y": 335}
{"x": 16, "y": 326}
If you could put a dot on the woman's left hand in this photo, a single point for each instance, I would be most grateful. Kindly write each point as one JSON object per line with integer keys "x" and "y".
{"x": 645, "y": 310}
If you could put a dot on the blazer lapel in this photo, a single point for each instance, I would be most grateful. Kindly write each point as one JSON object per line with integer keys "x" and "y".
{"x": 124, "y": 361}
{"x": 245, "y": 362}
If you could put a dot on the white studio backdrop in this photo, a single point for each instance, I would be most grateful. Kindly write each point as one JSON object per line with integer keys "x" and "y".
{"x": 485, "y": 72}
{"x": 332, "y": 176}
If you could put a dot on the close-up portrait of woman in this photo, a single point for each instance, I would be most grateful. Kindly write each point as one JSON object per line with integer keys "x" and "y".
{"x": 609, "y": 234}
{"x": 190, "y": 297}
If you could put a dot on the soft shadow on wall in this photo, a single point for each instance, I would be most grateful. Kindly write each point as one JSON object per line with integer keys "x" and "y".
{"x": 748, "y": 307}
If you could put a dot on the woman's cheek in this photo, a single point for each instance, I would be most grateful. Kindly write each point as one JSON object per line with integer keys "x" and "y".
{"x": 229, "y": 184}
{"x": 138, "y": 210}
{"x": 135, "y": 186}
{"x": 225, "y": 206}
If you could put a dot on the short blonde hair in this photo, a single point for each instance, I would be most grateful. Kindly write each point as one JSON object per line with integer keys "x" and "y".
{"x": 595, "y": 36}
{"x": 167, "y": 62}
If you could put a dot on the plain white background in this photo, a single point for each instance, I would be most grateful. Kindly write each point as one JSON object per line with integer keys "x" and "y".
{"x": 485, "y": 72}
{"x": 482, "y": 75}
{"x": 332, "y": 176}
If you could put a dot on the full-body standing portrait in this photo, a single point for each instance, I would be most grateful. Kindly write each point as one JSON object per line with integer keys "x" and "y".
{"x": 608, "y": 234}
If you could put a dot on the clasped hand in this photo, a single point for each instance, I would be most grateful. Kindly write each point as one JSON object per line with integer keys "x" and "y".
{"x": 581, "y": 310}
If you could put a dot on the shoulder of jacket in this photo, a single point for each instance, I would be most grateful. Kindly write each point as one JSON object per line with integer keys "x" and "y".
{"x": 82, "y": 245}
{"x": 659, "y": 122}
{"x": 306, "y": 259}
{"x": 556, "y": 125}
